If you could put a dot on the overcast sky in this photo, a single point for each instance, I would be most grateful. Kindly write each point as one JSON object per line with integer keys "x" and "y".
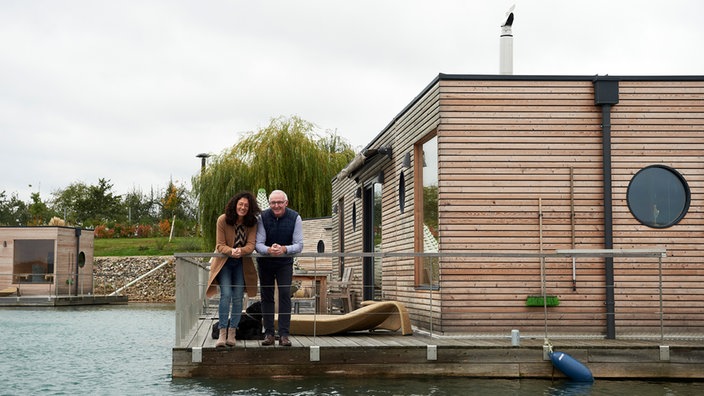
{"x": 132, "y": 91}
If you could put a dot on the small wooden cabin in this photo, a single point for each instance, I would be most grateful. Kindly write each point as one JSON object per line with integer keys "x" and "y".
{"x": 493, "y": 164}
{"x": 316, "y": 233}
{"x": 48, "y": 261}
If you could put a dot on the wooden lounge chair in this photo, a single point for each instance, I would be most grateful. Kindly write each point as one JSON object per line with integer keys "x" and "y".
{"x": 386, "y": 315}
{"x": 341, "y": 290}
{"x": 9, "y": 291}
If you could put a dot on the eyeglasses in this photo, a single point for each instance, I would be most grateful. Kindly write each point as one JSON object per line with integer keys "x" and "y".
{"x": 273, "y": 203}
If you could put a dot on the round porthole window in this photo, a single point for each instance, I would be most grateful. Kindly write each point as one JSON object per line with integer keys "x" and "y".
{"x": 658, "y": 196}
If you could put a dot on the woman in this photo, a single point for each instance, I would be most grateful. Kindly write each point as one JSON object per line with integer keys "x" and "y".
{"x": 235, "y": 238}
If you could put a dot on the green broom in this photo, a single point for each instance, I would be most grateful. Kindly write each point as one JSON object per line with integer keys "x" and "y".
{"x": 539, "y": 301}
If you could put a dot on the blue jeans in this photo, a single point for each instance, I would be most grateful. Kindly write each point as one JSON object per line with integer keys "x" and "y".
{"x": 231, "y": 281}
{"x": 283, "y": 274}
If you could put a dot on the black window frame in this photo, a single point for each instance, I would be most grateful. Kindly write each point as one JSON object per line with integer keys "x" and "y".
{"x": 635, "y": 212}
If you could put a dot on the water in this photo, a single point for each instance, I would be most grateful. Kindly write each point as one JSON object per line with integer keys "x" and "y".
{"x": 126, "y": 350}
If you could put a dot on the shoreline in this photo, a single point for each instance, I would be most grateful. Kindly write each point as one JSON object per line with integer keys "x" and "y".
{"x": 114, "y": 272}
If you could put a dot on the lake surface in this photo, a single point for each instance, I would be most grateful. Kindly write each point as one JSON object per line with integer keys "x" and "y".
{"x": 126, "y": 350}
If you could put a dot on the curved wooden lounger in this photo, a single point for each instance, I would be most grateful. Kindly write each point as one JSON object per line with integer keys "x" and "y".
{"x": 8, "y": 291}
{"x": 387, "y": 315}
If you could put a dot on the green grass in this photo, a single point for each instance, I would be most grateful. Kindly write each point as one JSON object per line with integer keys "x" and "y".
{"x": 147, "y": 246}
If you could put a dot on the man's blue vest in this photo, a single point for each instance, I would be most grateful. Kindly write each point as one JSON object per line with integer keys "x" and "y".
{"x": 278, "y": 230}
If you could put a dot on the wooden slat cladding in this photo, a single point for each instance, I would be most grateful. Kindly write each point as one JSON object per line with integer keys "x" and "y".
{"x": 397, "y": 232}
{"x": 505, "y": 145}
{"x": 497, "y": 159}
{"x": 660, "y": 123}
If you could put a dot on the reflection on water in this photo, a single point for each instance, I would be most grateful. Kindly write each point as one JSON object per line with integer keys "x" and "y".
{"x": 120, "y": 350}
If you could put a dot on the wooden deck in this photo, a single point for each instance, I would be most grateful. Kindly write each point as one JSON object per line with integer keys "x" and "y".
{"x": 389, "y": 354}
{"x": 58, "y": 301}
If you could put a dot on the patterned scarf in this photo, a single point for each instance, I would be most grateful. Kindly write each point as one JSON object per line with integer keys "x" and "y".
{"x": 240, "y": 235}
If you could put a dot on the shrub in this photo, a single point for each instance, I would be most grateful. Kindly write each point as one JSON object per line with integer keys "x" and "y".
{"x": 144, "y": 231}
{"x": 164, "y": 227}
{"x": 124, "y": 231}
{"x": 103, "y": 231}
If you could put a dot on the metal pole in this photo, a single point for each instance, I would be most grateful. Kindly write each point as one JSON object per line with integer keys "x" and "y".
{"x": 542, "y": 265}
{"x": 573, "y": 226}
{"x": 662, "y": 329}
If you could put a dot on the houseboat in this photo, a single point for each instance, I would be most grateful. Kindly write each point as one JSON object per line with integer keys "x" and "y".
{"x": 48, "y": 266}
{"x": 487, "y": 174}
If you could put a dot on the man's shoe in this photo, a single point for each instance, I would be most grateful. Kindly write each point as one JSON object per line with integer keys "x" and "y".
{"x": 284, "y": 341}
{"x": 268, "y": 340}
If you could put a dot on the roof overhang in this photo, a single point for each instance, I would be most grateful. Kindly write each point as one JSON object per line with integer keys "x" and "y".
{"x": 365, "y": 158}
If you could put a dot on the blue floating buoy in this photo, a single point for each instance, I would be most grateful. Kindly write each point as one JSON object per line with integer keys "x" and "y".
{"x": 571, "y": 367}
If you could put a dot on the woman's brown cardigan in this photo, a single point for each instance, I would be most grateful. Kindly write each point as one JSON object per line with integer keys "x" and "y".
{"x": 225, "y": 238}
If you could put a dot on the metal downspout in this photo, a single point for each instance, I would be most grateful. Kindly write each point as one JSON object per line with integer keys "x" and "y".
{"x": 608, "y": 222}
{"x": 78, "y": 250}
{"x": 606, "y": 95}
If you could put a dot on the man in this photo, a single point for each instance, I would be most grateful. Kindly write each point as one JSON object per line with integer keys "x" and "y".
{"x": 279, "y": 232}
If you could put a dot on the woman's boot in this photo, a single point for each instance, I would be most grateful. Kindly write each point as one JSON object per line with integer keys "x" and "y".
{"x": 231, "y": 336}
{"x": 221, "y": 338}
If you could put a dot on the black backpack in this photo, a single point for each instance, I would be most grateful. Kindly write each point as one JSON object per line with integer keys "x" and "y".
{"x": 250, "y": 326}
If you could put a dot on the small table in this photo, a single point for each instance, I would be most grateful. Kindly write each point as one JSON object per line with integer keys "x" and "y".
{"x": 320, "y": 281}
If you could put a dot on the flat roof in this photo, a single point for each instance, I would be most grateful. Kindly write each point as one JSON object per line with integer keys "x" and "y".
{"x": 518, "y": 77}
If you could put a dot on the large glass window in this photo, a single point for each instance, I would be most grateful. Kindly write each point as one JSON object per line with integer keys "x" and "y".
{"x": 33, "y": 261}
{"x": 341, "y": 233}
{"x": 658, "y": 196}
{"x": 426, "y": 220}
{"x": 376, "y": 221}
{"x": 372, "y": 267}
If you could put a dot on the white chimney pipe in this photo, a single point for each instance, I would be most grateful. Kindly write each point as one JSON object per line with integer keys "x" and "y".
{"x": 506, "y": 45}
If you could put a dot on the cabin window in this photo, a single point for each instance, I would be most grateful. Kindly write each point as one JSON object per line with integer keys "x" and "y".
{"x": 33, "y": 261}
{"x": 658, "y": 196}
{"x": 401, "y": 192}
{"x": 354, "y": 216}
{"x": 372, "y": 266}
{"x": 341, "y": 233}
{"x": 426, "y": 212}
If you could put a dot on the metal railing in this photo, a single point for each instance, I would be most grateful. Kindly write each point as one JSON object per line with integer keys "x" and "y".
{"x": 49, "y": 285}
{"x": 191, "y": 302}
{"x": 192, "y": 276}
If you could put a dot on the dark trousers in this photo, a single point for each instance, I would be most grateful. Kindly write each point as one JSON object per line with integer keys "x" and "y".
{"x": 283, "y": 275}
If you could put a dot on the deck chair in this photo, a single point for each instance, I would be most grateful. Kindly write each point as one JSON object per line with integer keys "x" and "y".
{"x": 340, "y": 290}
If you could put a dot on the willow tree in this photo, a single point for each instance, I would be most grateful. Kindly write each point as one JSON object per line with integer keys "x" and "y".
{"x": 285, "y": 155}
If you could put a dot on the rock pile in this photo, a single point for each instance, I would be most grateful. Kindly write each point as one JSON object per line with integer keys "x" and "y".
{"x": 112, "y": 273}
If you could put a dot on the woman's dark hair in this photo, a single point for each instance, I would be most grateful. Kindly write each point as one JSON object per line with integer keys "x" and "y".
{"x": 250, "y": 219}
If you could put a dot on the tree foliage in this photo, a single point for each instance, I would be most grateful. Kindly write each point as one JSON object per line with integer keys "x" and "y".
{"x": 88, "y": 205}
{"x": 13, "y": 211}
{"x": 285, "y": 155}
{"x": 141, "y": 208}
{"x": 38, "y": 210}
{"x": 94, "y": 205}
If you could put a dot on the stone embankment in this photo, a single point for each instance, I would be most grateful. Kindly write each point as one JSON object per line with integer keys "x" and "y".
{"x": 112, "y": 273}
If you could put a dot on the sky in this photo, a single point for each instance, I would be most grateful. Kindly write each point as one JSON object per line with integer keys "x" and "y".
{"x": 131, "y": 91}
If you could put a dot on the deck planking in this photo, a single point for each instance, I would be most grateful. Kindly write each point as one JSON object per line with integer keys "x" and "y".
{"x": 389, "y": 354}
{"x": 60, "y": 301}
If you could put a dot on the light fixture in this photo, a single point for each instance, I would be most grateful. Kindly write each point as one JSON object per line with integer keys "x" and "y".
{"x": 407, "y": 160}
{"x": 358, "y": 193}
{"x": 203, "y": 157}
